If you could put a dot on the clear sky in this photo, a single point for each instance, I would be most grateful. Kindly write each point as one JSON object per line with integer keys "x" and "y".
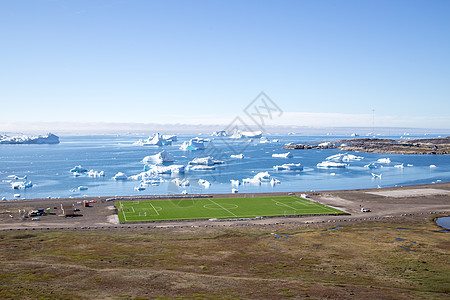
{"x": 325, "y": 63}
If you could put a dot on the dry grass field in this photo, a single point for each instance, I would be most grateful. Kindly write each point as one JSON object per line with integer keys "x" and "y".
{"x": 398, "y": 259}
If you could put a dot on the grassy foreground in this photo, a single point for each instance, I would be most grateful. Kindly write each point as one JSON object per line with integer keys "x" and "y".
{"x": 219, "y": 208}
{"x": 358, "y": 261}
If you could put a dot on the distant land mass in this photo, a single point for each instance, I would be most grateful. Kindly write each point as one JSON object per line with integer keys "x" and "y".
{"x": 376, "y": 145}
{"x": 23, "y": 139}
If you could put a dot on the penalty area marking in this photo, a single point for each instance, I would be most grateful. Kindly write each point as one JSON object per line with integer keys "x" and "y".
{"x": 227, "y": 206}
{"x": 282, "y": 204}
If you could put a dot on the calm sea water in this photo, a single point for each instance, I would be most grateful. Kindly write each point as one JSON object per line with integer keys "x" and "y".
{"x": 47, "y": 166}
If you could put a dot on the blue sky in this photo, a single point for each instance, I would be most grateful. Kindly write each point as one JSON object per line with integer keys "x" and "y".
{"x": 325, "y": 63}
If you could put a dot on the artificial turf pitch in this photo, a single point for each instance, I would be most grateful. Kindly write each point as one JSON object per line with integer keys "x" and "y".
{"x": 219, "y": 208}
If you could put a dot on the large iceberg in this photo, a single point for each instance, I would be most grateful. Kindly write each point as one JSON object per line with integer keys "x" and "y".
{"x": 159, "y": 169}
{"x": 50, "y": 138}
{"x": 344, "y": 157}
{"x": 208, "y": 161}
{"x": 246, "y": 134}
{"x": 159, "y": 158}
{"x": 120, "y": 176}
{"x": 193, "y": 144}
{"x": 331, "y": 164}
{"x": 156, "y": 140}
{"x": 78, "y": 169}
{"x": 261, "y": 177}
{"x": 283, "y": 155}
{"x": 289, "y": 167}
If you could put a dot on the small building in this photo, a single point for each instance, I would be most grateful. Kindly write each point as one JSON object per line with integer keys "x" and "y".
{"x": 68, "y": 210}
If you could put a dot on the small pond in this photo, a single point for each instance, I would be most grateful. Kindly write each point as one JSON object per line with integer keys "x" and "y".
{"x": 444, "y": 222}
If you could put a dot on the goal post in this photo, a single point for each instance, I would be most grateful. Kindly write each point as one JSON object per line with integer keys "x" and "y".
{"x": 142, "y": 214}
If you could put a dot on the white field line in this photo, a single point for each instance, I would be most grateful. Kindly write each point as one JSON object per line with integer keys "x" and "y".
{"x": 132, "y": 209}
{"x": 123, "y": 212}
{"x": 222, "y": 207}
{"x": 283, "y": 204}
{"x": 155, "y": 209}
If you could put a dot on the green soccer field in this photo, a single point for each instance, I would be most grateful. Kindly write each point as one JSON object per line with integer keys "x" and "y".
{"x": 219, "y": 208}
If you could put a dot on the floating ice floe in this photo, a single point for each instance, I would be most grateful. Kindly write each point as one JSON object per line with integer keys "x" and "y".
{"x": 204, "y": 182}
{"x": 41, "y": 139}
{"x": 371, "y": 166}
{"x": 283, "y": 155}
{"x": 193, "y": 144}
{"x": 384, "y": 160}
{"x": 246, "y": 134}
{"x": 208, "y": 161}
{"x": 140, "y": 187}
{"x": 78, "y": 169}
{"x": 234, "y": 191}
{"x": 21, "y": 185}
{"x": 376, "y": 175}
{"x": 264, "y": 141}
{"x": 289, "y": 167}
{"x": 181, "y": 182}
{"x": 156, "y": 140}
{"x": 152, "y": 170}
{"x": 239, "y": 156}
{"x": 331, "y": 164}
{"x": 159, "y": 158}
{"x": 219, "y": 133}
{"x": 120, "y": 176}
{"x": 325, "y": 144}
{"x": 235, "y": 182}
{"x": 344, "y": 157}
{"x": 93, "y": 173}
{"x": 82, "y": 188}
{"x": 432, "y": 166}
{"x": 259, "y": 178}
{"x": 400, "y": 166}
{"x": 199, "y": 168}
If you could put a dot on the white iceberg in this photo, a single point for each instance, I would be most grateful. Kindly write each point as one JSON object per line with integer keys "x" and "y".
{"x": 235, "y": 182}
{"x": 219, "y": 133}
{"x": 159, "y": 158}
{"x": 400, "y": 166}
{"x": 78, "y": 169}
{"x": 159, "y": 169}
{"x": 120, "y": 176}
{"x": 283, "y": 155}
{"x": 384, "y": 160}
{"x": 237, "y": 134}
{"x": 193, "y": 144}
{"x": 21, "y": 185}
{"x": 331, "y": 164}
{"x": 258, "y": 178}
{"x": 170, "y": 137}
{"x": 181, "y": 182}
{"x": 289, "y": 167}
{"x": 93, "y": 173}
{"x": 155, "y": 140}
{"x": 204, "y": 182}
{"x": 234, "y": 191}
{"x": 264, "y": 141}
{"x": 239, "y": 156}
{"x": 82, "y": 188}
{"x": 208, "y": 161}
{"x": 344, "y": 157}
{"x": 200, "y": 168}
{"x": 325, "y": 144}
{"x": 432, "y": 166}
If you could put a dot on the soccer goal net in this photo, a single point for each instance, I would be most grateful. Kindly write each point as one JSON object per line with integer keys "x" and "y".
{"x": 142, "y": 214}
{"x": 135, "y": 202}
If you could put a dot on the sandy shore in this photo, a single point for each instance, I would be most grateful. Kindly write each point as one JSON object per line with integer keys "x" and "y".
{"x": 384, "y": 204}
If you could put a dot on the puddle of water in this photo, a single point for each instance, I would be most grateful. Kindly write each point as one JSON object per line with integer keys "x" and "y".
{"x": 443, "y": 222}
{"x": 399, "y": 239}
{"x": 331, "y": 229}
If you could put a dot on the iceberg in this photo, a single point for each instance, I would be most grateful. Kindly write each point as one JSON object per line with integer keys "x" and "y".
{"x": 237, "y": 134}
{"x": 208, "y": 161}
{"x": 93, "y": 173}
{"x": 371, "y": 166}
{"x": 283, "y": 155}
{"x": 82, "y": 188}
{"x": 384, "y": 160}
{"x": 289, "y": 167}
{"x": 235, "y": 182}
{"x": 159, "y": 158}
{"x": 344, "y": 157}
{"x": 120, "y": 176}
{"x": 170, "y": 137}
{"x": 234, "y": 191}
{"x": 331, "y": 164}
{"x": 204, "y": 182}
{"x": 200, "y": 168}
{"x": 156, "y": 140}
{"x": 181, "y": 182}
{"x": 151, "y": 171}
{"x": 50, "y": 138}
{"x": 219, "y": 133}
{"x": 258, "y": 178}
{"x": 78, "y": 169}
{"x": 239, "y": 156}
{"x": 193, "y": 144}
{"x": 21, "y": 185}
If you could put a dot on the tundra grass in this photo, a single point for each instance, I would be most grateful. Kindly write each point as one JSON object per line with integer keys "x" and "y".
{"x": 219, "y": 208}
